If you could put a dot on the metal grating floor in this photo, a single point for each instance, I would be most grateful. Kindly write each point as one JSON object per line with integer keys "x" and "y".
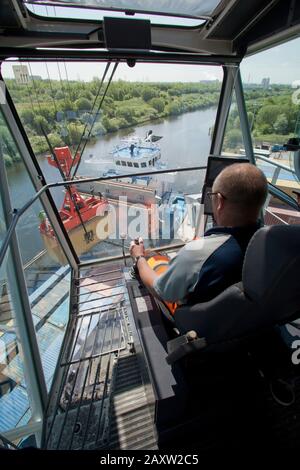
{"x": 98, "y": 398}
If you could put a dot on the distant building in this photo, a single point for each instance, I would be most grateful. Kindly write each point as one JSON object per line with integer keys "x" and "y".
{"x": 21, "y": 74}
{"x": 265, "y": 83}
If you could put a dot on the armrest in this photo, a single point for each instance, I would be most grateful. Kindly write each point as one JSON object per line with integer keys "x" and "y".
{"x": 183, "y": 346}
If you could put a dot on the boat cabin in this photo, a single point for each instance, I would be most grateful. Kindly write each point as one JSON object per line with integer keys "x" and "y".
{"x": 89, "y": 359}
{"x": 136, "y": 154}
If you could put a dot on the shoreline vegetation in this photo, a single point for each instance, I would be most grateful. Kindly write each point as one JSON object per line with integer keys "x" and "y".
{"x": 272, "y": 115}
{"x": 63, "y": 110}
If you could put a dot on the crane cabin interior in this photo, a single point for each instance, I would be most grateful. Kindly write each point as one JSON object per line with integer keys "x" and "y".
{"x": 115, "y": 120}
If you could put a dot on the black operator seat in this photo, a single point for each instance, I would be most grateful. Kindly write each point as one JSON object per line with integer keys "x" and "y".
{"x": 209, "y": 374}
{"x": 268, "y": 295}
{"x": 235, "y": 362}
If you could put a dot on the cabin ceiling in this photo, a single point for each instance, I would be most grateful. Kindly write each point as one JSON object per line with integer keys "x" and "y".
{"x": 228, "y": 28}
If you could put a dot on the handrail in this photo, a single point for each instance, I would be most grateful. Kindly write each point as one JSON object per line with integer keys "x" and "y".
{"x": 275, "y": 190}
{"x": 276, "y": 217}
{"x": 8, "y": 236}
{"x": 19, "y": 212}
{"x": 109, "y": 259}
{"x": 7, "y": 444}
{"x": 278, "y": 165}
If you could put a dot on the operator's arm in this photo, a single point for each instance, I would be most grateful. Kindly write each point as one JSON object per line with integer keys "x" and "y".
{"x": 172, "y": 285}
{"x": 147, "y": 275}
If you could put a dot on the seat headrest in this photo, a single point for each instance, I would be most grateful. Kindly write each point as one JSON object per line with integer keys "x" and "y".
{"x": 272, "y": 262}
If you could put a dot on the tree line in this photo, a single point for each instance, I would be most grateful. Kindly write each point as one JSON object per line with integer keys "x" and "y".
{"x": 65, "y": 109}
{"x": 272, "y": 116}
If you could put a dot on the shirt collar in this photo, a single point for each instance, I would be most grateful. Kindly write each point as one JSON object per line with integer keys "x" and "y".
{"x": 234, "y": 231}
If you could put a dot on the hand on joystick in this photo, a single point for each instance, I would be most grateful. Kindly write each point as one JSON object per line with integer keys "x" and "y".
{"x": 137, "y": 247}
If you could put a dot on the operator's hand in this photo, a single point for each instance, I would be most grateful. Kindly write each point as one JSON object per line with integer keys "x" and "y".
{"x": 137, "y": 249}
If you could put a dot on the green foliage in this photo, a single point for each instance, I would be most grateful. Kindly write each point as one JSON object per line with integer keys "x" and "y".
{"x": 125, "y": 113}
{"x": 98, "y": 129}
{"x": 87, "y": 95}
{"x": 27, "y": 116}
{"x": 271, "y": 114}
{"x": 233, "y": 139}
{"x": 66, "y": 106}
{"x": 39, "y": 124}
{"x": 281, "y": 124}
{"x": 158, "y": 104}
{"x": 83, "y": 104}
{"x": 267, "y": 115}
{"x": 8, "y": 160}
{"x": 148, "y": 93}
{"x": 39, "y": 144}
{"x": 63, "y": 110}
{"x": 273, "y": 138}
{"x": 174, "y": 107}
{"x": 74, "y": 133}
{"x": 115, "y": 124}
{"x": 59, "y": 95}
{"x": 55, "y": 139}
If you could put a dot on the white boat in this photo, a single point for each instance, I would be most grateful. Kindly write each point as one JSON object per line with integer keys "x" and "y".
{"x": 136, "y": 154}
{"x": 133, "y": 156}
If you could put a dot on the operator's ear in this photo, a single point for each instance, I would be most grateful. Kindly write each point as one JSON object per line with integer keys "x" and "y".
{"x": 220, "y": 201}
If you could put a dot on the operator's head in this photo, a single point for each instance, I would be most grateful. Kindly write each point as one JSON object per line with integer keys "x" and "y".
{"x": 239, "y": 193}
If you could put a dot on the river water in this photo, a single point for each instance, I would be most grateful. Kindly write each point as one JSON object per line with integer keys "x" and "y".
{"x": 185, "y": 143}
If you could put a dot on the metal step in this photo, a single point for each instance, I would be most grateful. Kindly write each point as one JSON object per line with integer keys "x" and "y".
{"x": 131, "y": 424}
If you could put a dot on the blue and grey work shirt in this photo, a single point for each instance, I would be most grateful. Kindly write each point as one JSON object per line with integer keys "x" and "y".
{"x": 206, "y": 267}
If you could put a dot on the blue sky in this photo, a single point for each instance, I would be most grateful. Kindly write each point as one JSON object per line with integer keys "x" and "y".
{"x": 281, "y": 64}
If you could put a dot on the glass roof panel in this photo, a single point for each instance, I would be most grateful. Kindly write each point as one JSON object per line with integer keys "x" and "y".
{"x": 181, "y": 8}
{"x": 63, "y": 12}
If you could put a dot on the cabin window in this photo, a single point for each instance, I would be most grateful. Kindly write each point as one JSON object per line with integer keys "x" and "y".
{"x": 172, "y": 89}
{"x": 272, "y": 106}
{"x": 36, "y": 256}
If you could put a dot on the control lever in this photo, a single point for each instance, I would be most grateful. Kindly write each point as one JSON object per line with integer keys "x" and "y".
{"x": 123, "y": 236}
{"x": 134, "y": 272}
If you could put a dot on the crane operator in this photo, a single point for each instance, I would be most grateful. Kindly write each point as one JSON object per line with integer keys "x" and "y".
{"x": 205, "y": 267}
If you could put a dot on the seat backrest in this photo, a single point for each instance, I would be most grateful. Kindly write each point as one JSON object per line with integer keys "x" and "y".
{"x": 268, "y": 294}
{"x": 272, "y": 263}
